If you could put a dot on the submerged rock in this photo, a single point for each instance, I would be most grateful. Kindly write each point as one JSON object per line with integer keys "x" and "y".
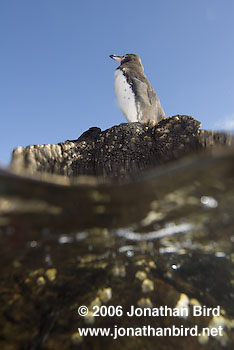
{"x": 161, "y": 240}
{"x": 121, "y": 151}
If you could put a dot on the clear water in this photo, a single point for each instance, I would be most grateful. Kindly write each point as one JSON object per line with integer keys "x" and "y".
{"x": 163, "y": 239}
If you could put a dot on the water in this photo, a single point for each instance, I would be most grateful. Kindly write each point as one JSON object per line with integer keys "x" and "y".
{"x": 164, "y": 239}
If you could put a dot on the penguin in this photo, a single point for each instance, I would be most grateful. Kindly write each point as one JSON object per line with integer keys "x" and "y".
{"x": 135, "y": 95}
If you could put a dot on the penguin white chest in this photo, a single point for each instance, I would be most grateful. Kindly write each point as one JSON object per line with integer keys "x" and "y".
{"x": 125, "y": 96}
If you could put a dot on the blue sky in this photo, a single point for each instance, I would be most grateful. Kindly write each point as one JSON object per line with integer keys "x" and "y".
{"x": 56, "y": 79}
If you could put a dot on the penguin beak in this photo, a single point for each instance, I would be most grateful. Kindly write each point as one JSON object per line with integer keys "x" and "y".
{"x": 117, "y": 58}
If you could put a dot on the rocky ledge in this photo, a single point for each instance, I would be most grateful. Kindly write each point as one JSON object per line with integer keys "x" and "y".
{"x": 120, "y": 151}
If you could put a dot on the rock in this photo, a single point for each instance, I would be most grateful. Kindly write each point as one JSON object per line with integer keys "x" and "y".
{"x": 121, "y": 151}
{"x": 163, "y": 240}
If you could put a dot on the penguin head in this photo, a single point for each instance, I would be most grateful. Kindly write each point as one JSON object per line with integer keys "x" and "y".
{"x": 129, "y": 58}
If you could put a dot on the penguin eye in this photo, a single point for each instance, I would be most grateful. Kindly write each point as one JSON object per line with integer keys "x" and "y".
{"x": 125, "y": 58}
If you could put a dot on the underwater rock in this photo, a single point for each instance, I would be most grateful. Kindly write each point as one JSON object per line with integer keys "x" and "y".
{"x": 161, "y": 240}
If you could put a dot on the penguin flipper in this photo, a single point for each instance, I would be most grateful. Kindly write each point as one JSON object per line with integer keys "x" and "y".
{"x": 148, "y": 104}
